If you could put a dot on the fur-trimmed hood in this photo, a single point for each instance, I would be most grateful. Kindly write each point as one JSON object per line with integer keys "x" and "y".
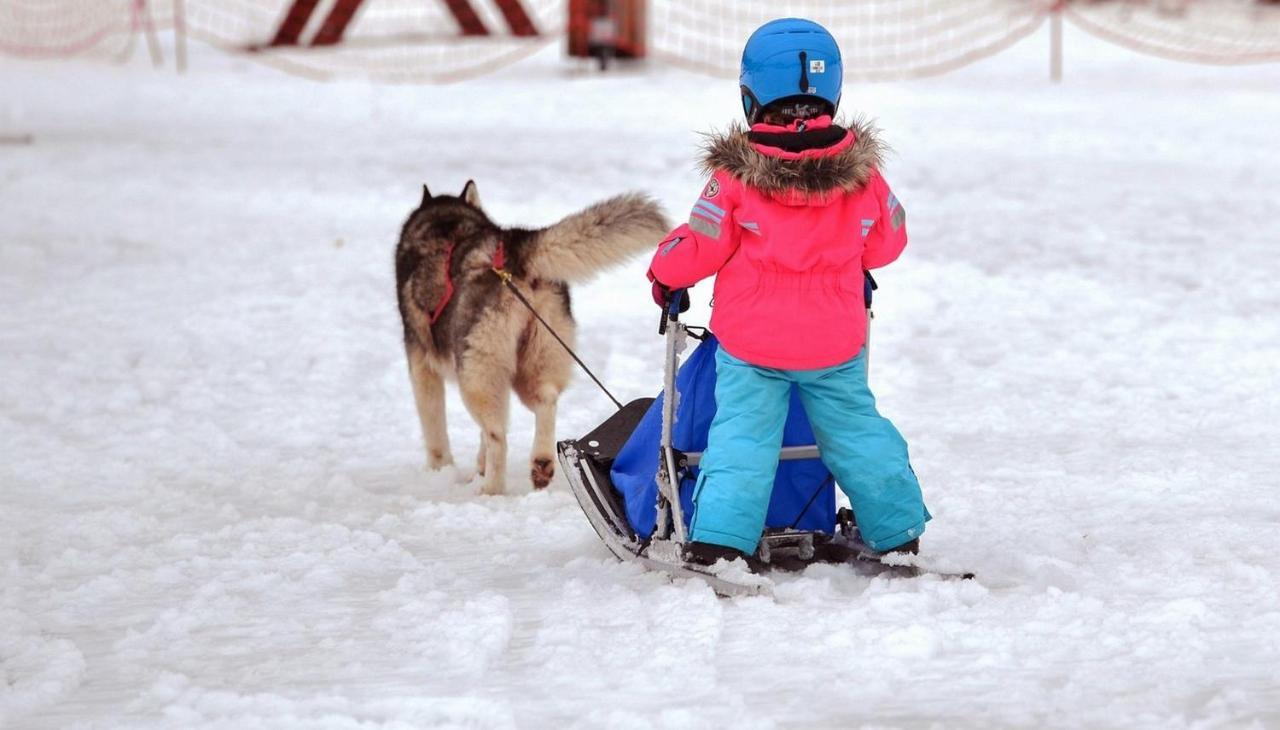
{"x": 784, "y": 175}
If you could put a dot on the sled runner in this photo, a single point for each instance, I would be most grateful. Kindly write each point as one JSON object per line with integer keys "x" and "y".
{"x": 634, "y": 477}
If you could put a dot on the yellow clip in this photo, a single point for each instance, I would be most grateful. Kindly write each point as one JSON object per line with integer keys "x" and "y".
{"x": 502, "y": 274}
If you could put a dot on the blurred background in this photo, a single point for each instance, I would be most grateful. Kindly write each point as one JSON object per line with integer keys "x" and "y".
{"x": 447, "y": 40}
{"x": 213, "y": 506}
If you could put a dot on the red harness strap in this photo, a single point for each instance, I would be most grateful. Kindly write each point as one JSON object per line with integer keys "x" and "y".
{"x": 448, "y": 285}
{"x": 499, "y": 264}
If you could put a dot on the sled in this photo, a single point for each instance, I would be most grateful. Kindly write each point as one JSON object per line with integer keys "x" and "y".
{"x": 634, "y": 477}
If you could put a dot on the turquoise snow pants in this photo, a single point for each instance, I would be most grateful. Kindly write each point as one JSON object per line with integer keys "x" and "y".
{"x": 862, "y": 449}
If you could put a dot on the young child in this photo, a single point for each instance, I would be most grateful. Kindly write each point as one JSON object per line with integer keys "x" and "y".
{"x": 794, "y": 213}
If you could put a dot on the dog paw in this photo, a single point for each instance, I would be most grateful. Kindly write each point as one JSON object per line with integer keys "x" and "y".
{"x": 542, "y": 472}
{"x": 489, "y": 489}
{"x": 439, "y": 460}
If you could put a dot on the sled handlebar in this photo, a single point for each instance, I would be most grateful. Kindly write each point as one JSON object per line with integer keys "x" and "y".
{"x": 672, "y": 312}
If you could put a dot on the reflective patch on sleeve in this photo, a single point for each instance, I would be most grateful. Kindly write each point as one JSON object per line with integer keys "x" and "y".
{"x": 707, "y": 205}
{"x": 704, "y": 226}
{"x": 666, "y": 248}
{"x": 897, "y": 214}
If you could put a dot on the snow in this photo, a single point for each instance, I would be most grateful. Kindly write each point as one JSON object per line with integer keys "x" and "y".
{"x": 213, "y": 509}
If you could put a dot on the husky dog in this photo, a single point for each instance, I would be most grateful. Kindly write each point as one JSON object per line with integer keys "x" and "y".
{"x": 461, "y": 321}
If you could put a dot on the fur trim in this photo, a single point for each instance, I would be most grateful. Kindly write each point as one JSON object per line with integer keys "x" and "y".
{"x": 849, "y": 170}
{"x": 603, "y": 235}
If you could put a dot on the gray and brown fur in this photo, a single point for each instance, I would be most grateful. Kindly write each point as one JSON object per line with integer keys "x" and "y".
{"x": 485, "y": 338}
{"x": 848, "y": 171}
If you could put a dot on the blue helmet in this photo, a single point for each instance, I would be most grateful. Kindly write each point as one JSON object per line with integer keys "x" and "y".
{"x": 790, "y": 57}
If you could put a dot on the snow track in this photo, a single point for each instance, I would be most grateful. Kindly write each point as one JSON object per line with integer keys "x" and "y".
{"x": 212, "y": 512}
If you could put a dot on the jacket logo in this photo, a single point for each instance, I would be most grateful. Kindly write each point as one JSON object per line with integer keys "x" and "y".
{"x": 713, "y": 189}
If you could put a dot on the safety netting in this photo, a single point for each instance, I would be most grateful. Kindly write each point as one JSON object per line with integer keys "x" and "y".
{"x": 61, "y": 28}
{"x": 449, "y": 40}
{"x": 880, "y": 39}
{"x": 387, "y": 40}
{"x": 1202, "y": 31}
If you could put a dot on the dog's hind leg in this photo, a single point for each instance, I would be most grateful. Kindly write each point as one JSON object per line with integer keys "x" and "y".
{"x": 542, "y": 461}
{"x": 428, "y": 394}
{"x": 543, "y": 372}
{"x": 487, "y": 394}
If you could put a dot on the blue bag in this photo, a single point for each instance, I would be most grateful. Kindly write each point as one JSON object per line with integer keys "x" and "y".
{"x": 803, "y": 491}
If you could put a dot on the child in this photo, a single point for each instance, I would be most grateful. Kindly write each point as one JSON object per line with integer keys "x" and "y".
{"x": 794, "y": 213}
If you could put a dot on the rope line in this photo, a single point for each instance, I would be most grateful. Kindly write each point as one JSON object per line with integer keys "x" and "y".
{"x": 507, "y": 279}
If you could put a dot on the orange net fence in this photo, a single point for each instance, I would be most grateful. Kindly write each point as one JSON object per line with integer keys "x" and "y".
{"x": 1203, "y": 31}
{"x": 882, "y": 39}
{"x": 448, "y": 40}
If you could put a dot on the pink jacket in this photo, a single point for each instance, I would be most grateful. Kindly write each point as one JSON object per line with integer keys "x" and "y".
{"x": 789, "y": 220}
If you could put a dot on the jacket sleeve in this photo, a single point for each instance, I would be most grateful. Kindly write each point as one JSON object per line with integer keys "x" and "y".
{"x": 697, "y": 249}
{"x": 888, "y": 235}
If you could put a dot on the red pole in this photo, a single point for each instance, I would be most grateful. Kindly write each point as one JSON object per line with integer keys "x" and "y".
{"x": 516, "y": 17}
{"x": 466, "y": 17}
{"x": 295, "y": 21}
{"x": 336, "y": 24}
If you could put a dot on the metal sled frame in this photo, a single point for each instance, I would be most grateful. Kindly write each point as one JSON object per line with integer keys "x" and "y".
{"x": 586, "y": 463}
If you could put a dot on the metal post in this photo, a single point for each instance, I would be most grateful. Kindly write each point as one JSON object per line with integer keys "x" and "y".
{"x": 180, "y": 34}
{"x": 1055, "y": 41}
{"x": 670, "y": 402}
{"x": 142, "y": 21}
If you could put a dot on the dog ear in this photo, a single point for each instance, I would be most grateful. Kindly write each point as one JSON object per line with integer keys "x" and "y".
{"x": 426, "y": 194}
{"x": 470, "y": 195}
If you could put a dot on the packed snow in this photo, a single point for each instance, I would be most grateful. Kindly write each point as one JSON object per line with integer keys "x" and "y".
{"x": 214, "y": 510}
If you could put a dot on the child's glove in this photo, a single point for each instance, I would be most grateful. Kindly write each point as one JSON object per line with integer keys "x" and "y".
{"x": 662, "y": 295}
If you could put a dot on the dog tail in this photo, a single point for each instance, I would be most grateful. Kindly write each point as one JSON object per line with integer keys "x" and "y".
{"x": 603, "y": 235}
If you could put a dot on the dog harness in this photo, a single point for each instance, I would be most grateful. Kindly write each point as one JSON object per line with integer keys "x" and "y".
{"x": 499, "y": 262}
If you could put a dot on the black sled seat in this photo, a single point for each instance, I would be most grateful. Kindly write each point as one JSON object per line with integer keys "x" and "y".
{"x": 587, "y": 463}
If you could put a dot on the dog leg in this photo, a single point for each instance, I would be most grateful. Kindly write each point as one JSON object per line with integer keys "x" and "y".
{"x": 490, "y": 408}
{"x": 480, "y": 455}
{"x": 543, "y": 371}
{"x": 542, "y": 462}
{"x": 428, "y": 394}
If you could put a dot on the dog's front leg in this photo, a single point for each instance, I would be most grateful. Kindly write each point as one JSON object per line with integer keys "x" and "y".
{"x": 428, "y": 394}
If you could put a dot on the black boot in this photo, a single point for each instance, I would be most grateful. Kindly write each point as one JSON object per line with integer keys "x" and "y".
{"x": 906, "y": 548}
{"x": 708, "y": 554}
